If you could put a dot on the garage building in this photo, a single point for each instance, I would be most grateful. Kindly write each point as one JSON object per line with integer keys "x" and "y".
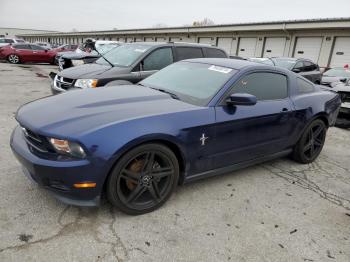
{"x": 325, "y": 41}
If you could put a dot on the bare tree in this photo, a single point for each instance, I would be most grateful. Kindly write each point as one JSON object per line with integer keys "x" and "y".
{"x": 205, "y": 22}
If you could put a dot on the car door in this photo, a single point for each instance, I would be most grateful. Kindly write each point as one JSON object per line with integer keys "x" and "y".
{"x": 155, "y": 61}
{"x": 40, "y": 54}
{"x": 24, "y": 52}
{"x": 247, "y": 132}
{"x": 312, "y": 72}
{"x": 187, "y": 52}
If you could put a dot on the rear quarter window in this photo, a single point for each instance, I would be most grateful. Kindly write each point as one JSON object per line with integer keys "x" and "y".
{"x": 214, "y": 53}
{"x": 188, "y": 53}
{"x": 304, "y": 86}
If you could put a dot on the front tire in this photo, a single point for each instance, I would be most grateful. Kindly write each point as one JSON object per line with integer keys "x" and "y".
{"x": 311, "y": 142}
{"x": 13, "y": 59}
{"x": 143, "y": 179}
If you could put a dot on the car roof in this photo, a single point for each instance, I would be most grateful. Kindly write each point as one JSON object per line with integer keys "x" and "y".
{"x": 227, "y": 62}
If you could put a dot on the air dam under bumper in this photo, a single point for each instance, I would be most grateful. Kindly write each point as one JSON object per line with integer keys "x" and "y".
{"x": 57, "y": 176}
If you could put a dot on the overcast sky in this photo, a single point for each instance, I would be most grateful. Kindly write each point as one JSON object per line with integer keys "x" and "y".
{"x": 82, "y": 15}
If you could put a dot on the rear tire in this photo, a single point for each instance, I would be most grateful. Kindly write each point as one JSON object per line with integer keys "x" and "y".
{"x": 143, "y": 179}
{"x": 311, "y": 142}
{"x": 13, "y": 59}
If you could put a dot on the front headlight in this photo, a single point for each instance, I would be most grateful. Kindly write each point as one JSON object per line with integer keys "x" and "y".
{"x": 86, "y": 83}
{"x": 77, "y": 62}
{"x": 67, "y": 147}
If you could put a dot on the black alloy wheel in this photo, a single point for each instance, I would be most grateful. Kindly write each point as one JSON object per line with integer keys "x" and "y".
{"x": 143, "y": 179}
{"x": 311, "y": 143}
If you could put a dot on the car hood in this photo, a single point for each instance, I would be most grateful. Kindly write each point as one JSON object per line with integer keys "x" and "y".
{"x": 77, "y": 56}
{"x": 92, "y": 71}
{"x": 331, "y": 79}
{"x": 76, "y": 113}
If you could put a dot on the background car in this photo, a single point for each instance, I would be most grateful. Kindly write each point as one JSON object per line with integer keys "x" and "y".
{"x": 193, "y": 119}
{"x": 65, "y": 47}
{"x": 8, "y": 41}
{"x": 130, "y": 63}
{"x": 343, "y": 89}
{"x": 24, "y": 53}
{"x": 262, "y": 60}
{"x": 334, "y": 75}
{"x": 44, "y": 44}
{"x": 304, "y": 67}
{"x": 85, "y": 55}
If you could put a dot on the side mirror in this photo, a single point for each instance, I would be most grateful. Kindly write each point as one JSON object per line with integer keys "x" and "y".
{"x": 296, "y": 70}
{"x": 343, "y": 80}
{"x": 242, "y": 99}
{"x": 46, "y": 50}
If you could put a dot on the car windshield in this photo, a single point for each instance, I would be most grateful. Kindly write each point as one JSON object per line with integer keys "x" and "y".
{"x": 124, "y": 55}
{"x": 339, "y": 72}
{"x": 284, "y": 62}
{"x": 102, "y": 49}
{"x": 194, "y": 83}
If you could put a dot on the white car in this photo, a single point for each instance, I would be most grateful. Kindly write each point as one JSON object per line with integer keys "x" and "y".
{"x": 343, "y": 89}
{"x": 7, "y": 41}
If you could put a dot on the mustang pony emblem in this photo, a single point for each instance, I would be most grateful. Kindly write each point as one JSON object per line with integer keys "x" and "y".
{"x": 203, "y": 138}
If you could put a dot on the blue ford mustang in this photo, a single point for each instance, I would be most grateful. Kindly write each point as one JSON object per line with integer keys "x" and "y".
{"x": 193, "y": 119}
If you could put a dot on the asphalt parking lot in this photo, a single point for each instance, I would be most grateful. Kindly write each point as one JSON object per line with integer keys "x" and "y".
{"x": 277, "y": 211}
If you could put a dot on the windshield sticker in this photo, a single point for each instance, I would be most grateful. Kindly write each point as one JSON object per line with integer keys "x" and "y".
{"x": 220, "y": 69}
{"x": 140, "y": 50}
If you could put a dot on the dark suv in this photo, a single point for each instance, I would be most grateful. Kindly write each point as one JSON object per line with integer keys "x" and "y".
{"x": 302, "y": 66}
{"x": 130, "y": 63}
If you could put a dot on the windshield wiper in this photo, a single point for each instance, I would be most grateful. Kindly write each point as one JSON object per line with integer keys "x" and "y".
{"x": 167, "y": 92}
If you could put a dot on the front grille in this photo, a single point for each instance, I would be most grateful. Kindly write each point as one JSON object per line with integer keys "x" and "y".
{"x": 63, "y": 82}
{"x": 37, "y": 142}
{"x": 345, "y": 96}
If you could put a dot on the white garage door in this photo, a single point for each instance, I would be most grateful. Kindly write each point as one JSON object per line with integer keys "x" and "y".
{"x": 161, "y": 39}
{"x": 149, "y": 39}
{"x": 225, "y": 43}
{"x": 341, "y": 52}
{"x": 308, "y": 47}
{"x": 205, "y": 40}
{"x": 183, "y": 39}
{"x": 139, "y": 39}
{"x": 274, "y": 46}
{"x": 247, "y": 47}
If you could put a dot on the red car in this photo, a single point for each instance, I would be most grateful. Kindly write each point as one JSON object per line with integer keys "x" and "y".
{"x": 24, "y": 53}
{"x": 65, "y": 48}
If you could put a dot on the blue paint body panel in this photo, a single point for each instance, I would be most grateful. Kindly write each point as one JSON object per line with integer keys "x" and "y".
{"x": 107, "y": 122}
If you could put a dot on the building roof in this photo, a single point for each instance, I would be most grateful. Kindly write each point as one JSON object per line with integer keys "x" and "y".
{"x": 341, "y": 22}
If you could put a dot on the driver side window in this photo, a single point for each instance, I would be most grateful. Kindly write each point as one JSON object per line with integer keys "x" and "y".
{"x": 263, "y": 85}
{"x": 158, "y": 59}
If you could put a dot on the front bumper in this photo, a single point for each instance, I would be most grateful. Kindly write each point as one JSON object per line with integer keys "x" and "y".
{"x": 345, "y": 108}
{"x": 58, "y": 177}
{"x": 55, "y": 89}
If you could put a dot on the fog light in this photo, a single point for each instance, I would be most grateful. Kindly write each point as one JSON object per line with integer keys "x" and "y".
{"x": 85, "y": 185}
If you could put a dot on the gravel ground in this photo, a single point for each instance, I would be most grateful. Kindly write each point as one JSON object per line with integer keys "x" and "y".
{"x": 277, "y": 211}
